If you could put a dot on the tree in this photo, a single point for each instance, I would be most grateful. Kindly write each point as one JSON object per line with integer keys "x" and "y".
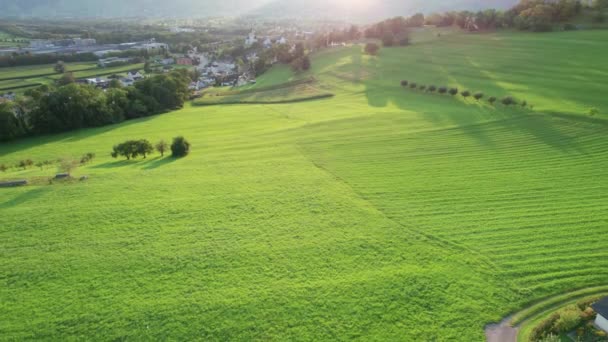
{"x": 478, "y": 96}
{"x": 10, "y": 126}
{"x": 67, "y": 165}
{"x": 144, "y": 147}
{"x": 422, "y": 87}
{"x": 147, "y": 67}
{"x": 465, "y": 93}
{"x": 453, "y": 91}
{"x": 372, "y": 49}
{"x": 87, "y": 158}
{"x": 442, "y": 90}
{"x": 161, "y": 147}
{"x": 507, "y": 100}
{"x": 432, "y": 88}
{"x": 3, "y": 167}
{"x": 492, "y": 99}
{"x": 413, "y": 85}
{"x": 66, "y": 78}
{"x": 180, "y": 147}
{"x": 388, "y": 39}
{"x": 404, "y": 83}
{"x": 60, "y": 67}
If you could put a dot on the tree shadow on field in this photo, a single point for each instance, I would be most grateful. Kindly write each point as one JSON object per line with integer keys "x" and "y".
{"x": 22, "y": 198}
{"x": 114, "y": 164}
{"x": 158, "y": 162}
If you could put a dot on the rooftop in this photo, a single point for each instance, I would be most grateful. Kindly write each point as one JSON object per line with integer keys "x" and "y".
{"x": 601, "y": 307}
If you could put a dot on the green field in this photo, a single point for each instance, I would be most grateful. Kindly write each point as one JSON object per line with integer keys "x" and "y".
{"x": 378, "y": 214}
{"x": 293, "y": 91}
{"x": 19, "y": 78}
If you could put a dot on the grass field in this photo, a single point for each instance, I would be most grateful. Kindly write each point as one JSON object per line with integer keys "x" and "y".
{"x": 293, "y": 91}
{"x": 19, "y": 79}
{"x": 378, "y": 214}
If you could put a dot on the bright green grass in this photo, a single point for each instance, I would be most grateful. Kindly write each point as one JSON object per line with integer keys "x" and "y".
{"x": 378, "y": 214}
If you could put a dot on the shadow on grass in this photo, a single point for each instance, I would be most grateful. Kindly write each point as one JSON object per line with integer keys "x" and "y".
{"x": 114, "y": 164}
{"x": 22, "y": 198}
{"x": 158, "y": 162}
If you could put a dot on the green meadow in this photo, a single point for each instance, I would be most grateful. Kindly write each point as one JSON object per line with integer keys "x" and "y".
{"x": 381, "y": 213}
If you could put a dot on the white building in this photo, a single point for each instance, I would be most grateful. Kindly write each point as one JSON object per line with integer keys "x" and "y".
{"x": 601, "y": 308}
{"x": 251, "y": 39}
{"x": 134, "y": 76}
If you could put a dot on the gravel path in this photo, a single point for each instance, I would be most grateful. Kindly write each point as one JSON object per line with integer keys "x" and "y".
{"x": 501, "y": 332}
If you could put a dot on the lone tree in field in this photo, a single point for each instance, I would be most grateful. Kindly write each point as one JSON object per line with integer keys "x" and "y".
{"x": 67, "y": 165}
{"x": 162, "y": 147}
{"x": 404, "y": 83}
{"x": 453, "y": 91}
{"x": 492, "y": 99}
{"x": 478, "y": 96}
{"x": 180, "y": 147}
{"x": 60, "y": 67}
{"x": 442, "y": 90}
{"x": 371, "y": 49}
{"x": 465, "y": 94}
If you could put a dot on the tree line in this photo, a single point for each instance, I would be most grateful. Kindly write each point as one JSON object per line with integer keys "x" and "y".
{"x": 27, "y": 58}
{"x": 53, "y": 109}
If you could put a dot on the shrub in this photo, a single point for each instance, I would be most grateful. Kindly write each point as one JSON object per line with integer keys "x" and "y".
{"x": 25, "y": 163}
{"x": 40, "y": 165}
{"x": 422, "y": 87}
{"x": 465, "y": 94}
{"x": 593, "y": 111}
{"x": 478, "y": 96}
{"x": 432, "y": 88}
{"x": 453, "y": 91}
{"x": 87, "y": 158}
{"x": 413, "y": 85}
{"x": 524, "y": 103}
{"x": 508, "y": 100}
{"x": 442, "y": 90}
{"x": 180, "y": 147}
{"x": 492, "y": 99}
{"x": 371, "y": 49}
{"x": 162, "y": 147}
{"x": 544, "y": 328}
{"x": 67, "y": 165}
{"x": 3, "y": 167}
{"x": 569, "y": 318}
{"x": 404, "y": 83}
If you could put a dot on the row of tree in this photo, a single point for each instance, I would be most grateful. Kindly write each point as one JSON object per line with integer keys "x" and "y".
{"x": 507, "y": 100}
{"x": 27, "y": 58}
{"x": 48, "y": 109}
{"x": 132, "y": 149}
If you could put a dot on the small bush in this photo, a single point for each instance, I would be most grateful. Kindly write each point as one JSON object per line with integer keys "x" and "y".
{"x": 508, "y": 100}
{"x": 3, "y": 167}
{"x": 465, "y": 94}
{"x": 524, "y": 103}
{"x": 478, "y": 96}
{"x": 593, "y": 111}
{"x": 491, "y": 99}
{"x": 24, "y": 164}
{"x": 422, "y": 87}
{"x": 371, "y": 49}
{"x": 404, "y": 83}
{"x": 544, "y": 328}
{"x": 432, "y": 88}
{"x": 67, "y": 165}
{"x": 569, "y": 318}
{"x": 453, "y": 91}
{"x": 442, "y": 90}
{"x": 87, "y": 158}
{"x": 40, "y": 165}
{"x": 180, "y": 147}
{"x": 413, "y": 85}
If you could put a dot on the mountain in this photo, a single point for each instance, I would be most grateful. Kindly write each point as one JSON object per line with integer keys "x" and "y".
{"x": 371, "y": 10}
{"x": 353, "y": 10}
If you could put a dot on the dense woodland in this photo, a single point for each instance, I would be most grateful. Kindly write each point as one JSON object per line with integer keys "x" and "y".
{"x": 72, "y": 106}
